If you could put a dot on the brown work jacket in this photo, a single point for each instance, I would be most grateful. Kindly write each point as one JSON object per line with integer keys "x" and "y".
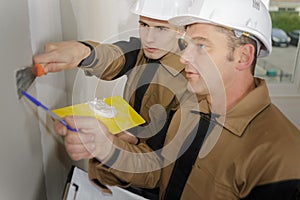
{"x": 252, "y": 146}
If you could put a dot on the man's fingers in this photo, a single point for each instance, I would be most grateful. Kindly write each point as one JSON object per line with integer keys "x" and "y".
{"x": 84, "y": 123}
{"x": 80, "y": 156}
{"x": 59, "y": 128}
{"x": 80, "y": 148}
{"x": 55, "y": 67}
{"x": 80, "y": 151}
{"x": 126, "y": 136}
{"x": 46, "y": 57}
{"x": 79, "y": 138}
{"x": 50, "y": 46}
{"x": 92, "y": 140}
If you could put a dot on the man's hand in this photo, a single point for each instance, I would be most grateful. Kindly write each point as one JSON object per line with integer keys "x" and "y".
{"x": 128, "y": 137}
{"x": 92, "y": 140}
{"x": 62, "y": 55}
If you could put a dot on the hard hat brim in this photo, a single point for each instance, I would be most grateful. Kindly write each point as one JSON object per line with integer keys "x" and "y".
{"x": 184, "y": 20}
{"x": 149, "y": 15}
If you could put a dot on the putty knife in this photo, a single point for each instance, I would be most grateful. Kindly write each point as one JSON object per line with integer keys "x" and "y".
{"x": 26, "y": 76}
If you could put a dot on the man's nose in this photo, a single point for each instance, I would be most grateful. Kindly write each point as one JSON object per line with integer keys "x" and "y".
{"x": 187, "y": 55}
{"x": 151, "y": 35}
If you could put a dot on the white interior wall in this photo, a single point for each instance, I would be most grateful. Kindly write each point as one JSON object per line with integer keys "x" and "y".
{"x": 34, "y": 164}
{"x": 21, "y": 168}
{"x": 45, "y": 26}
{"x": 97, "y": 20}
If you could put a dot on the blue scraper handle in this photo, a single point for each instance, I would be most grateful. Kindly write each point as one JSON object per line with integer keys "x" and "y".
{"x": 52, "y": 114}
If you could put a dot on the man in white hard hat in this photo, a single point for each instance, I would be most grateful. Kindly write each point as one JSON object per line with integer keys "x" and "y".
{"x": 235, "y": 144}
{"x": 251, "y": 150}
{"x": 152, "y": 58}
{"x": 157, "y": 48}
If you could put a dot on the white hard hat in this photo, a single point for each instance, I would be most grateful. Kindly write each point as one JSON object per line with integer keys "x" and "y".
{"x": 267, "y": 3}
{"x": 250, "y": 16}
{"x": 159, "y": 9}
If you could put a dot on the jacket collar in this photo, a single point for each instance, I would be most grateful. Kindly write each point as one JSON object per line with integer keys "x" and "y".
{"x": 172, "y": 63}
{"x": 238, "y": 118}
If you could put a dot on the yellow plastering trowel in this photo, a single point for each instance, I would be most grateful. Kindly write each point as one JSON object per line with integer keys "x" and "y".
{"x": 121, "y": 116}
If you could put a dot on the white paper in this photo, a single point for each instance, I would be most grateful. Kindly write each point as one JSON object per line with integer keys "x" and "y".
{"x": 87, "y": 190}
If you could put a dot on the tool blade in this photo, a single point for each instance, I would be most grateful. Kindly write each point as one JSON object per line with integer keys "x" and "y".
{"x": 24, "y": 79}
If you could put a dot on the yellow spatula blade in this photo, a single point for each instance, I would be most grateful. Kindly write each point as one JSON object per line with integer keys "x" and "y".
{"x": 125, "y": 118}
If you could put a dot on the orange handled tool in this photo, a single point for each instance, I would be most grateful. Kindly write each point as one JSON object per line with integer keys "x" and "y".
{"x": 38, "y": 69}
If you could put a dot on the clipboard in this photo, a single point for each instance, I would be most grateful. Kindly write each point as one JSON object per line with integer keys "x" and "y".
{"x": 79, "y": 187}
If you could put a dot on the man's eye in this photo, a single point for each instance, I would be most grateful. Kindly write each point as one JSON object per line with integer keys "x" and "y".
{"x": 201, "y": 46}
{"x": 143, "y": 24}
{"x": 161, "y": 28}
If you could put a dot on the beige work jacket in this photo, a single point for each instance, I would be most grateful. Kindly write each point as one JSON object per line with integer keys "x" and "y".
{"x": 255, "y": 145}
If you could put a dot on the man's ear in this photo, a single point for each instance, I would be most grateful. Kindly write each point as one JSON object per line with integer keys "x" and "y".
{"x": 246, "y": 56}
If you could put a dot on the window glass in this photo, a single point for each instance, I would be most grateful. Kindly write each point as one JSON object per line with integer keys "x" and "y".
{"x": 281, "y": 66}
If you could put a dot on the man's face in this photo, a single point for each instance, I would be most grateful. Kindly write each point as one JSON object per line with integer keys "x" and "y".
{"x": 207, "y": 66}
{"x": 158, "y": 37}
